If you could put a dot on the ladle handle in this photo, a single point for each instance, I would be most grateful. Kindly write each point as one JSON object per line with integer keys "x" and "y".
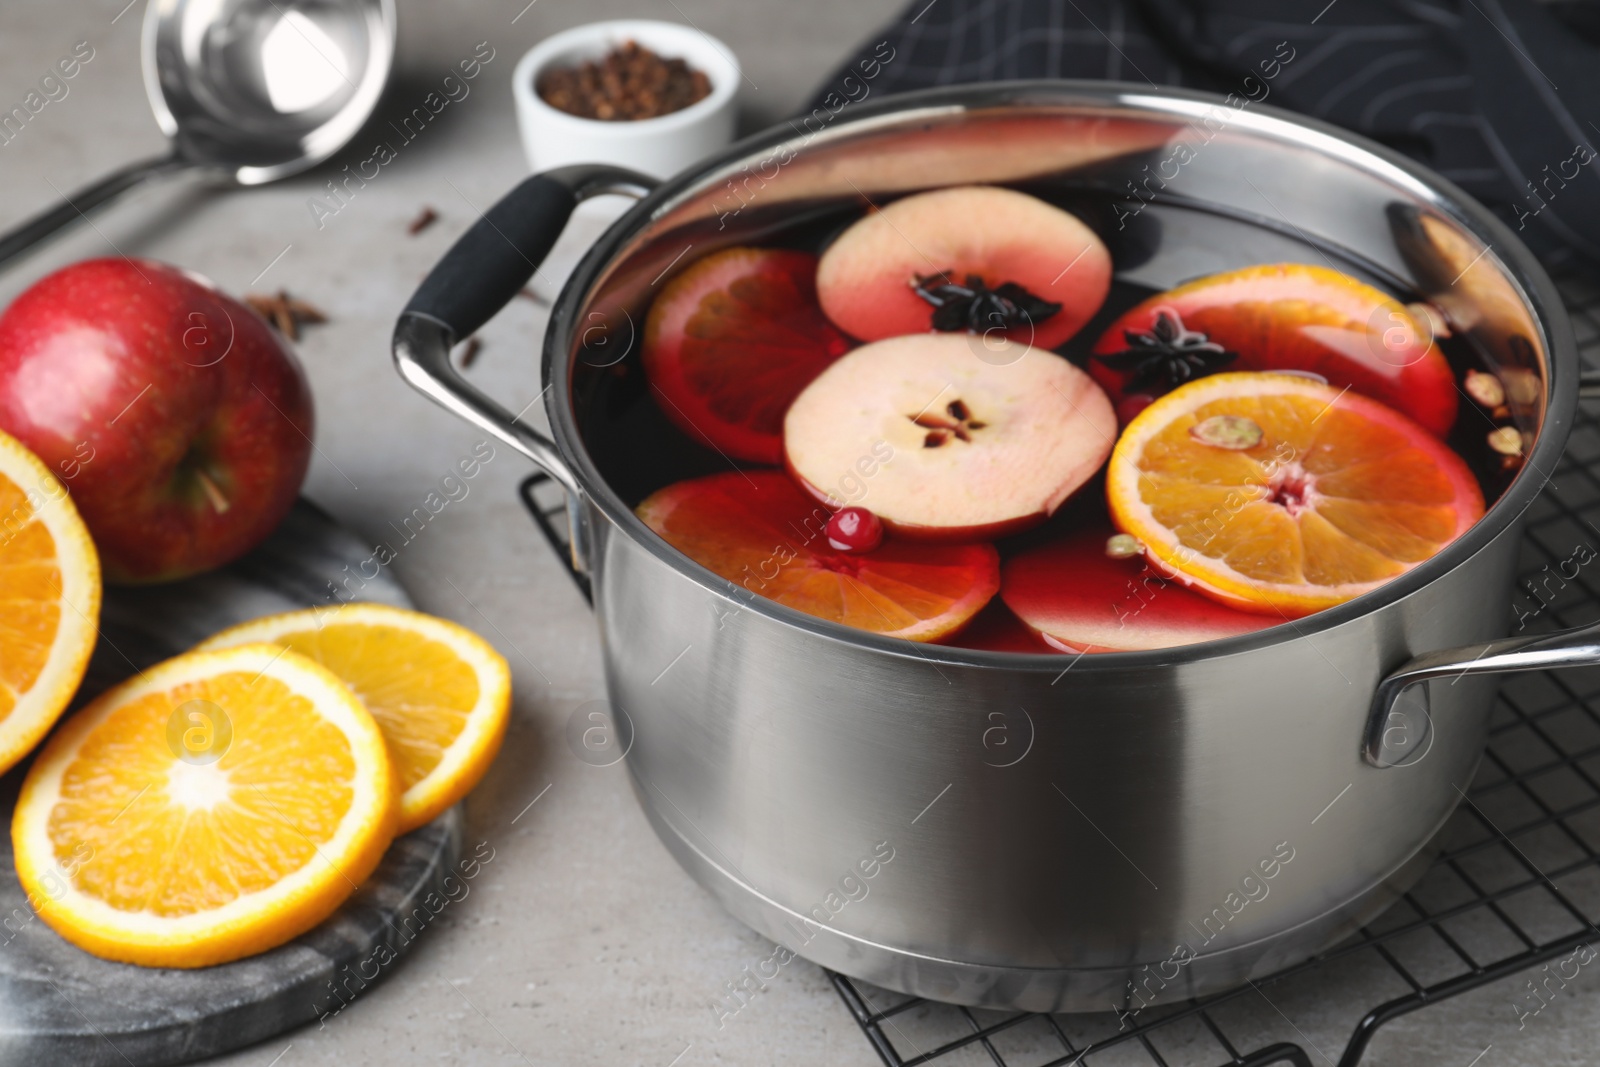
{"x": 77, "y": 206}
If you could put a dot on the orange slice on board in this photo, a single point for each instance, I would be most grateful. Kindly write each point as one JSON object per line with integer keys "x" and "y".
{"x": 440, "y": 693}
{"x": 215, "y": 806}
{"x": 760, "y": 531}
{"x": 1280, "y": 495}
{"x": 49, "y": 600}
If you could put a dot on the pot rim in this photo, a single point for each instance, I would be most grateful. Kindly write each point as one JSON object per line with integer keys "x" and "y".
{"x": 1539, "y": 292}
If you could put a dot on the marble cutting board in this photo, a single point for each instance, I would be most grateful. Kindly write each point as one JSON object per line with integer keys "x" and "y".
{"x": 59, "y": 1005}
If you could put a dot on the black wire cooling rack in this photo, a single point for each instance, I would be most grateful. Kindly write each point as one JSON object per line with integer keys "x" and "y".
{"x": 1516, "y": 884}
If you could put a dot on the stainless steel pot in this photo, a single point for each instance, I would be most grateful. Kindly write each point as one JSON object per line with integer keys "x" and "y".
{"x": 1034, "y": 831}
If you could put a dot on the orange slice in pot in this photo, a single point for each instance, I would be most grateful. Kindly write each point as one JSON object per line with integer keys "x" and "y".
{"x": 732, "y": 340}
{"x": 1281, "y": 495}
{"x": 760, "y": 531}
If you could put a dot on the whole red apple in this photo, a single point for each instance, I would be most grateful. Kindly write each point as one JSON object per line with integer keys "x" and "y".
{"x": 176, "y": 417}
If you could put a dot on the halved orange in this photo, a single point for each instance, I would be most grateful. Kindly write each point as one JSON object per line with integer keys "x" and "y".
{"x": 760, "y": 531}
{"x": 49, "y": 600}
{"x": 1338, "y": 495}
{"x": 213, "y": 807}
{"x": 440, "y": 693}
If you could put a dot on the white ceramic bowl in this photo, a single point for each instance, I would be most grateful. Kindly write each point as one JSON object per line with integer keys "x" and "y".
{"x": 660, "y": 146}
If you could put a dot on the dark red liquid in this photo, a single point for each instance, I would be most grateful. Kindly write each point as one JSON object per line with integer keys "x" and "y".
{"x": 639, "y": 451}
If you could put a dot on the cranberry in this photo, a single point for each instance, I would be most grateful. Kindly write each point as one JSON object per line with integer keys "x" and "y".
{"x": 854, "y": 530}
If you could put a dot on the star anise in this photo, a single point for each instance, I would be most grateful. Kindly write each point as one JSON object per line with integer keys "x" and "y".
{"x": 1167, "y": 355}
{"x": 284, "y": 312}
{"x": 975, "y": 307}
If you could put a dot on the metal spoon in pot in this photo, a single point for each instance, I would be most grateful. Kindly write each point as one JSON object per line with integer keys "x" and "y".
{"x": 249, "y": 91}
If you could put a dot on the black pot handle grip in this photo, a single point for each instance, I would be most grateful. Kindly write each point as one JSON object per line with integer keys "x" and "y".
{"x": 493, "y": 260}
{"x": 482, "y": 271}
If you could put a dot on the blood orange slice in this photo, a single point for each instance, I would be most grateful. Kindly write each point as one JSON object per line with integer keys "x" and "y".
{"x": 732, "y": 340}
{"x": 996, "y": 629}
{"x": 1280, "y": 316}
{"x": 761, "y": 532}
{"x": 1277, "y": 494}
{"x": 1080, "y": 599}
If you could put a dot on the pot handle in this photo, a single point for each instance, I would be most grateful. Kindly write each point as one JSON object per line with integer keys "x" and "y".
{"x": 484, "y": 269}
{"x": 1577, "y": 647}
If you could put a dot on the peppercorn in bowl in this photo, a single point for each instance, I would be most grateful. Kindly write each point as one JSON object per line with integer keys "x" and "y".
{"x": 651, "y": 96}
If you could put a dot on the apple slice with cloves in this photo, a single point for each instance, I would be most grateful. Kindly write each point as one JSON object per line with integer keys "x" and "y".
{"x": 976, "y": 259}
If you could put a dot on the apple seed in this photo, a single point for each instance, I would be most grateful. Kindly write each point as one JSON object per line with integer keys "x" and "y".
{"x": 940, "y": 429}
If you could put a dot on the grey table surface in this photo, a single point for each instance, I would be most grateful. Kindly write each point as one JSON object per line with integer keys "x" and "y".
{"x": 582, "y": 943}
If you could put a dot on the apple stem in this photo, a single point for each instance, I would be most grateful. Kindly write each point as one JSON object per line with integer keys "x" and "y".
{"x": 213, "y": 492}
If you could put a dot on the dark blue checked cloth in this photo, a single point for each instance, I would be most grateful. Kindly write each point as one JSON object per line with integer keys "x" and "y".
{"x": 1500, "y": 96}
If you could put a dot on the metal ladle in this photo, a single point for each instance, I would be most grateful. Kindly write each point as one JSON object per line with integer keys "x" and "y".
{"x": 249, "y": 91}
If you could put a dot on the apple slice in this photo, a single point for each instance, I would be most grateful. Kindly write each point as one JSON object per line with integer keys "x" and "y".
{"x": 943, "y": 445}
{"x": 758, "y": 530}
{"x": 731, "y": 340}
{"x": 1080, "y": 599}
{"x": 973, "y": 258}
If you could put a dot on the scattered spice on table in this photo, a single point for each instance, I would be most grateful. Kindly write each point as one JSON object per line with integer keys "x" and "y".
{"x": 629, "y": 83}
{"x": 284, "y": 312}
{"x": 469, "y": 350}
{"x": 425, "y": 218}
